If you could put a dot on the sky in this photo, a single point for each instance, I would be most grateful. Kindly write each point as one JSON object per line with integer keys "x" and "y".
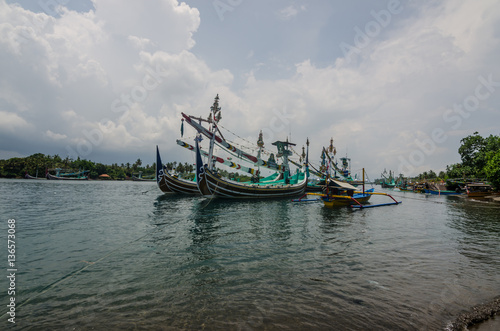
{"x": 396, "y": 84}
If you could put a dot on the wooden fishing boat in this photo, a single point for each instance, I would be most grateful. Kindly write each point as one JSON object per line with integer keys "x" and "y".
{"x": 211, "y": 184}
{"x": 52, "y": 177}
{"x": 339, "y": 194}
{"x": 220, "y": 160}
{"x": 343, "y": 194}
{"x": 211, "y": 134}
{"x": 27, "y": 176}
{"x": 169, "y": 183}
{"x": 332, "y": 201}
{"x": 478, "y": 190}
{"x": 441, "y": 192}
{"x": 388, "y": 181}
{"x": 419, "y": 188}
{"x": 81, "y": 175}
{"x": 141, "y": 179}
{"x": 403, "y": 184}
{"x": 316, "y": 185}
{"x": 330, "y": 169}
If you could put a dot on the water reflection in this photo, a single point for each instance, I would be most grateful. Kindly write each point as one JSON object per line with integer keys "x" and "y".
{"x": 234, "y": 246}
{"x": 185, "y": 262}
{"x": 333, "y": 218}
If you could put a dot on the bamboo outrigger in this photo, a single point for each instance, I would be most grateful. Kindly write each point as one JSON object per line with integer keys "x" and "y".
{"x": 358, "y": 199}
{"x": 379, "y": 204}
{"x": 346, "y": 195}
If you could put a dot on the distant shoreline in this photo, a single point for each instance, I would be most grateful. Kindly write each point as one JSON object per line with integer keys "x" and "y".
{"x": 90, "y": 179}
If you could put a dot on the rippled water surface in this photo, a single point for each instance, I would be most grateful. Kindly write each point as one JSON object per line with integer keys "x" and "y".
{"x": 120, "y": 255}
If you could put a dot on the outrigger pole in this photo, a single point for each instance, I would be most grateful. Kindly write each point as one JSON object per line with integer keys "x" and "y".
{"x": 357, "y": 205}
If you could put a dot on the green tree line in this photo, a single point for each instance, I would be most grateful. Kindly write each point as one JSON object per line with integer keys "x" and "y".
{"x": 480, "y": 161}
{"x": 40, "y": 163}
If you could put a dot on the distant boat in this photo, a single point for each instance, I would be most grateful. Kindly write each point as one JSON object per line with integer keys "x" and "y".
{"x": 419, "y": 188}
{"x": 442, "y": 192}
{"x": 27, "y": 176}
{"x": 140, "y": 179}
{"x": 81, "y": 175}
{"x": 52, "y": 177}
{"x": 330, "y": 169}
{"x": 388, "y": 182}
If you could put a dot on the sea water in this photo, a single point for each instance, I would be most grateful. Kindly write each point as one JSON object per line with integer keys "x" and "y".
{"x": 121, "y": 255}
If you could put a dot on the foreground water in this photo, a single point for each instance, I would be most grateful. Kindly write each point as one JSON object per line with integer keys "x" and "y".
{"x": 120, "y": 255}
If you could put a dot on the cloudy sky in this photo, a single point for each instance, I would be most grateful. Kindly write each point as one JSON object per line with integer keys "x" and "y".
{"x": 396, "y": 84}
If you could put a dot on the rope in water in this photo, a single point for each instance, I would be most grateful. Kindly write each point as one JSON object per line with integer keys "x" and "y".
{"x": 212, "y": 197}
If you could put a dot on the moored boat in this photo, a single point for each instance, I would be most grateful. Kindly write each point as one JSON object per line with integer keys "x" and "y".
{"x": 282, "y": 184}
{"x": 388, "y": 181}
{"x": 478, "y": 190}
{"x": 419, "y": 188}
{"x": 141, "y": 179}
{"x": 211, "y": 184}
{"x": 343, "y": 194}
{"x": 340, "y": 194}
{"x": 169, "y": 183}
{"x": 52, "y": 177}
{"x": 27, "y": 176}
{"x": 81, "y": 175}
{"x": 441, "y": 192}
{"x": 330, "y": 169}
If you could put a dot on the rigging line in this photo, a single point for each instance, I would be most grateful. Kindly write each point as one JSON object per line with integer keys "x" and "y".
{"x": 235, "y": 134}
{"x": 231, "y": 152}
{"x": 240, "y": 145}
{"x": 291, "y": 148}
{"x": 369, "y": 181}
{"x": 235, "y": 154}
{"x": 314, "y": 168}
{"x": 89, "y": 264}
{"x": 251, "y": 143}
{"x": 254, "y": 148}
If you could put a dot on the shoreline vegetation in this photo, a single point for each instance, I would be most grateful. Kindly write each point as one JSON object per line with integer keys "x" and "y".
{"x": 37, "y": 165}
{"x": 480, "y": 162}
